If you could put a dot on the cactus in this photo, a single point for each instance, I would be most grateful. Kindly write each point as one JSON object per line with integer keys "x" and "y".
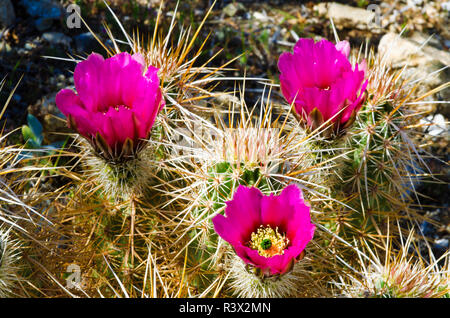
{"x": 398, "y": 273}
{"x": 251, "y": 150}
{"x": 245, "y": 282}
{"x": 124, "y": 179}
{"x": 141, "y": 224}
{"x": 382, "y": 166}
{"x": 9, "y": 269}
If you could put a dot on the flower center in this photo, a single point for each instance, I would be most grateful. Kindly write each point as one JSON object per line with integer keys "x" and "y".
{"x": 268, "y": 242}
{"x": 116, "y": 108}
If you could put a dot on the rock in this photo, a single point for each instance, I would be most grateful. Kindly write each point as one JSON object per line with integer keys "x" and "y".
{"x": 29, "y": 46}
{"x": 5, "y": 48}
{"x": 43, "y": 24}
{"x": 53, "y": 119}
{"x": 45, "y": 12}
{"x": 48, "y": 9}
{"x": 420, "y": 60}
{"x": 262, "y": 17}
{"x": 435, "y": 125}
{"x": 233, "y": 8}
{"x": 57, "y": 38}
{"x": 7, "y": 15}
{"x": 86, "y": 43}
{"x": 441, "y": 244}
{"x": 347, "y": 16}
{"x": 433, "y": 46}
{"x": 402, "y": 51}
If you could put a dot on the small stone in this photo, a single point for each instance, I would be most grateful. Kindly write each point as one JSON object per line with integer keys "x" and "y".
{"x": 57, "y": 38}
{"x": 344, "y": 15}
{"x": 17, "y": 98}
{"x": 430, "y": 11}
{"x": 22, "y": 51}
{"x": 48, "y": 105}
{"x": 233, "y": 8}
{"x": 7, "y": 15}
{"x": 29, "y": 46}
{"x": 60, "y": 81}
{"x": 441, "y": 244}
{"x": 447, "y": 44}
{"x": 435, "y": 125}
{"x": 198, "y": 12}
{"x": 43, "y": 24}
{"x": 261, "y": 17}
{"x": 427, "y": 228}
{"x": 415, "y": 2}
{"x": 420, "y": 60}
{"x": 49, "y": 9}
{"x": 5, "y": 48}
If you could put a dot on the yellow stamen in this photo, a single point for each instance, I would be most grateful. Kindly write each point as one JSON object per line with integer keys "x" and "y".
{"x": 268, "y": 242}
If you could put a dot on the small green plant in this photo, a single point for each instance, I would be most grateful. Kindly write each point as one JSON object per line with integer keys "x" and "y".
{"x": 34, "y": 138}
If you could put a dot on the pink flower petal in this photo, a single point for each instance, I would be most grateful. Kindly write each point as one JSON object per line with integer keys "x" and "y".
{"x": 122, "y": 123}
{"x": 244, "y": 211}
{"x": 276, "y": 211}
{"x": 88, "y": 83}
{"x": 319, "y": 75}
{"x": 227, "y": 230}
{"x": 115, "y": 99}
{"x": 249, "y": 210}
{"x": 344, "y": 48}
{"x": 70, "y": 105}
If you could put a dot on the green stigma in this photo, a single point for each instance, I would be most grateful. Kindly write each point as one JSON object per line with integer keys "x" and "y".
{"x": 266, "y": 244}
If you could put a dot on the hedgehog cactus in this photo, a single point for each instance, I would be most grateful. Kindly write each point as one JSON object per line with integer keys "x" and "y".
{"x": 380, "y": 165}
{"x": 248, "y": 204}
{"x": 251, "y": 150}
{"x": 380, "y": 175}
{"x": 395, "y": 274}
{"x": 377, "y": 162}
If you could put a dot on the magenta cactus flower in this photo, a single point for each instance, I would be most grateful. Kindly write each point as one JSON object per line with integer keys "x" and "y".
{"x": 319, "y": 80}
{"x": 267, "y": 232}
{"x": 115, "y": 105}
